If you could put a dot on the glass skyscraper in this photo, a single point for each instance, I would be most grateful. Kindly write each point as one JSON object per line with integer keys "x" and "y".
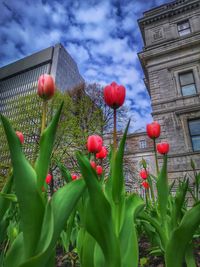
{"x": 19, "y": 79}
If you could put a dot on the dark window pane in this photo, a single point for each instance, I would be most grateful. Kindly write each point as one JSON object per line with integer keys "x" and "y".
{"x": 194, "y": 126}
{"x": 186, "y": 78}
{"x": 196, "y": 143}
{"x": 189, "y": 90}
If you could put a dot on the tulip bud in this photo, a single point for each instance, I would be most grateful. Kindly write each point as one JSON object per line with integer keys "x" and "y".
{"x": 153, "y": 130}
{"x": 93, "y": 164}
{"x": 20, "y": 136}
{"x": 94, "y": 143}
{"x": 46, "y": 86}
{"x": 99, "y": 170}
{"x": 102, "y": 154}
{"x": 145, "y": 185}
{"x": 163, "y": 148}
{"x": 49, "y": 178}
{"x": 144, "y": 174}
{"x": 114, "y": 95}
{"x": 74, "y": 176}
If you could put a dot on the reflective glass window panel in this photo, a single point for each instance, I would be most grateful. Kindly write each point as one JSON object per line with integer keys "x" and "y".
{"x": 143, "y": 143}
{"x": 184, "y": 28}
{"x": 186, "y": 78}
{"x": 184, "y": 32}
{"x": 196, "y": 143}
{"x": 187, "y": 83}
{"x": 183, "y": 25}
{"x": 194, "y": 127}
{"x": 189, "y": 90}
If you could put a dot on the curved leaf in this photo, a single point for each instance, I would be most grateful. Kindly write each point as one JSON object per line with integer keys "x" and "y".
{"x": 46, "y": 146}
{"x": 56, "y": 215}
{"x": 5, "y": 203}
{"x": 15, "y": 255}
{"x": 128, "y": 234}
{"x": 163, "y": 190}
{"x": 117, "y": 170}
{"x": 99, "y": 219}
{"x": 181, "y": 237}
{"x": 30, "y": 201}
{"x": 176, "y": 214}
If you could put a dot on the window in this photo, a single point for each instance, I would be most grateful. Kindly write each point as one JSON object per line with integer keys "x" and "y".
{"x": 184, "y": 27}
{"x": 187, "y": 83}
{"x": 143, "y": 144}
{"x": 194, "y": 128}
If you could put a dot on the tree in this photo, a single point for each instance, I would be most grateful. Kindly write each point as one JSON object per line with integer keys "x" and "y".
{"x": 80, "y": 117}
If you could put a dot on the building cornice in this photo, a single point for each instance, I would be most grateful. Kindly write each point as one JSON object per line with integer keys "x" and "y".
{"x": 170, "y": 46}
{"x": 169, "y": 11}
{"x": 174, "y": 99}
{"x": 177, "y": 110}
{"x": 165, "y": 11}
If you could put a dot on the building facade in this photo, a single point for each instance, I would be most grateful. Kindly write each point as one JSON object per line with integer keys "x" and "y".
{"x": 20, "y": 79}
{"x": 171, "y": 64}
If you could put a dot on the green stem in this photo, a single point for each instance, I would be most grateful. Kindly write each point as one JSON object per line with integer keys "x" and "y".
{"x": 156, "y": 156}
{"x": 44, "y": 116}
{"x": 115, "y": 131}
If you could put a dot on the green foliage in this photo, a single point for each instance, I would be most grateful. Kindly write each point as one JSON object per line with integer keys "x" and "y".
{"x": 41, "y": 221}
{"x": 109, "y": 217}
{"x": 172, "y": 223}
{"x": 181, "y": 237}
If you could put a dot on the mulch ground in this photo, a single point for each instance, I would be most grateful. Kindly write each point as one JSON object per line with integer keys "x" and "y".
{"x": 66, "y": 260}
{"x": 155, "y": 261}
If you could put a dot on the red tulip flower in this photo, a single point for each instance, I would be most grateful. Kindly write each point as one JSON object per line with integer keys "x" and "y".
{"x": 102, "y": 154}
{"x": 49, "y": 178}
{"x": 114, "y": 95}
{"x": 99, "y": 170}
{"x": 74, "y": 176}
{"x": 93, "y": 164}
{"x": 163, "y": 148}
{"x": 94, "y": 143}
{"x": 20, "y": 136}
{"x": 46, "y": 86}
{"x": 145, "y": 185}
{"x": 153, "y": 130}
{"x": 144, "y": 174}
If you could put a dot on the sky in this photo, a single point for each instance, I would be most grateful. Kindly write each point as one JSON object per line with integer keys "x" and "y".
{"x": 102, "y": 36}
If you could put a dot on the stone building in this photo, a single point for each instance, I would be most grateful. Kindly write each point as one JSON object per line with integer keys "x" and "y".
{"x": 171, "y": 64}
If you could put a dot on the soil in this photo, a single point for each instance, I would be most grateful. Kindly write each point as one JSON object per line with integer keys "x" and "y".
{"x": 158, "y": 261}
{"x": 70, "y": 259}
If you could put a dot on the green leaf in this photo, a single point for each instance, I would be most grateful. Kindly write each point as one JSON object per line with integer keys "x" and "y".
{"x": 163, "y": 190}
{"x": 15, "y": 255}
{"x": 181, "y": 237}
{"x": 99, "y": 260}
{"x": 128, "y": 234}
{"x": 64, "y": 171}
{"x": 88, "y": 251}
{"x": 156, "y": 224}
{"x": 57, "y": 212}
{"x": 176, "y": 214}
{"x": 30, "y": 201}
{"x": 46, "y": 146}
{"x": 3, "y": 226}
{"x": 99, "y": 219}
{"x": 117, "y": 170}
{"x": 189, "y": 257}
{"x": 11, "y": 197}
{"x": 5, "y": 203}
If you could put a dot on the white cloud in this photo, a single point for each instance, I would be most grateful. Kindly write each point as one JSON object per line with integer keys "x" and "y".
{"x": 103, "y": 41}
